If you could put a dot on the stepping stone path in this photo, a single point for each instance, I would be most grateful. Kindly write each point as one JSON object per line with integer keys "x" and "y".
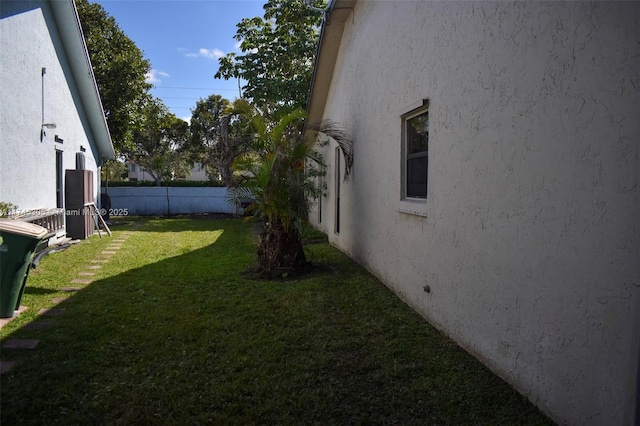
{"x": 6, "y": 366}
{"x": 37, "y": 325}
{"x": 5, "y": 321}
{"x": 83, "y": 278}
{"x": 20, "y": 344}
{"x": 51, "y": 312}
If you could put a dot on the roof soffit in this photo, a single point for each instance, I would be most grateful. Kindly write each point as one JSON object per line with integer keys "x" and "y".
{"x": 70, "y": 30}
{"x": 328, "y": 47}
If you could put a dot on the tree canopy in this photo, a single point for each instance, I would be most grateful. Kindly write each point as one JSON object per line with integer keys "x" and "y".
{"x": 278, "y": 53}
{"x": 120, "y": 70}
{"x": 217, "y": 137}
{"x": 158, "y": 144}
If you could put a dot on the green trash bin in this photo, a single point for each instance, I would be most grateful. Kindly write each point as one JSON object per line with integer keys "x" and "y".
{"x": 18, "y": 242}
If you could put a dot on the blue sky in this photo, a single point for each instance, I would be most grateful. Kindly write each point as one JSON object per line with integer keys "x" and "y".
{"x": 183, "y": 40}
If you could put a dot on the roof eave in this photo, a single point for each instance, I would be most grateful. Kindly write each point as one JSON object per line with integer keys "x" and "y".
{"x": 68, "y": 23}
{"x": 328, "y": 47}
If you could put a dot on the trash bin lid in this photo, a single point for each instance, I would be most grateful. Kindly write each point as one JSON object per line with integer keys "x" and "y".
{"x": 21, "y": 227}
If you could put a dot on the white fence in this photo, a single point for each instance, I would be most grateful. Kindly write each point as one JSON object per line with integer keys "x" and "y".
{"x": 163, "y": 201}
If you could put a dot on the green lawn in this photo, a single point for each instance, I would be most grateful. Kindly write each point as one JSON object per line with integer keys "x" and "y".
{"x": 172, "y": 331}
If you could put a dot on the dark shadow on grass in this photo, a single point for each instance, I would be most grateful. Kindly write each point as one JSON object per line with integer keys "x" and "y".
{"x": 38, "y": 290}
{"x": 188, "y": 340}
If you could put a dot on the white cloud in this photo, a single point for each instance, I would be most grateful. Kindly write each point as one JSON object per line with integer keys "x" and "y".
{"x": 187, "y": 119}
{"x": 153, "y": 76}
{"x": 186, "y": 52}
{"x": 202, "y": 52}
{"x": 211, "y": 53}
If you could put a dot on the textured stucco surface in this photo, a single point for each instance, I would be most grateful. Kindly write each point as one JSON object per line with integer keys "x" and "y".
{"x": 530, "y": 244}
{"x": 29, "y": 41}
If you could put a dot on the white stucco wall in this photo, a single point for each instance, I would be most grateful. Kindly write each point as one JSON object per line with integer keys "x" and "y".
{"x": 29, "y": 42}
{"x": 530, "y": 244}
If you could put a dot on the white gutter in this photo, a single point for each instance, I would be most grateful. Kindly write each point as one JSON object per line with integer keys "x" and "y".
{"x": 70, "y": 30}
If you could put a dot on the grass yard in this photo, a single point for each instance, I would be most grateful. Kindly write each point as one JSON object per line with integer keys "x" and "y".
{"x": 172, "y": 331}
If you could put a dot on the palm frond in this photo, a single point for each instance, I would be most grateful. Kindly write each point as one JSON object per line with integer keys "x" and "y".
{"x": 244, "y": 108}
{"x": 338, "y": 133}
{"x": 285, "y": 123}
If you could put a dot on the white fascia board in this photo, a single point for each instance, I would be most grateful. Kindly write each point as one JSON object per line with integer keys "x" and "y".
{"x": 70, "y": 30}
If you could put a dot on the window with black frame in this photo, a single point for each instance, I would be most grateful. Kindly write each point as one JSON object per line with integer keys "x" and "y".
{"x": 416, "y": 152}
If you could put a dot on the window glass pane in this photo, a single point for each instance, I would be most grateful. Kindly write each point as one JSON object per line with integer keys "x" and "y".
{"x": 418, "y": 133}
{"x": 417, "y": 177}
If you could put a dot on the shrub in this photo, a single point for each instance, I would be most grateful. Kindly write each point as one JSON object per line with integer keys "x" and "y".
{"x": 7, "y": 208}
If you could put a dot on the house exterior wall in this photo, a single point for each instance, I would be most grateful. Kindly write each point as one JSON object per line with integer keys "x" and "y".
{"x": 29, "y": 42}
{"x": 197, "y": 173}
{"x": 528, "y": 240}
{"x": 138, "y": 173}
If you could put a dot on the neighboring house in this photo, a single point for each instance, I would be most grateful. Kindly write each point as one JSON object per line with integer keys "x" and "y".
{"x": 51, "y": 117}
{"x": 138, "y": 173}
{"x": 197, "y": 172}
{"x": 495, "y": 183}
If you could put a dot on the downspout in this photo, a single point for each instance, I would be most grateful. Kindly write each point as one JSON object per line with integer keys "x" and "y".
{"x": 99, "y": 164}
{"x": 106, "y": 187}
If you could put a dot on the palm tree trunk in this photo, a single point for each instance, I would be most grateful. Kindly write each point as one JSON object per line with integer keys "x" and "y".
{"x": 280, "y": 252}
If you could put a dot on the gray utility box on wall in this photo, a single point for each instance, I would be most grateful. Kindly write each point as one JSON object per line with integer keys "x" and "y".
{"x": 78, "y": 191}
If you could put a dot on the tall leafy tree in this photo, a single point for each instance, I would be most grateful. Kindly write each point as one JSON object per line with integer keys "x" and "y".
{"x": 217, "y": 138}
{"x": 278, "y": 53}
{"x": 158, "y": 144}
{"x": 120, "y": 70}
{"x": 114, "y": 170}
{"x": 282, "y": 173}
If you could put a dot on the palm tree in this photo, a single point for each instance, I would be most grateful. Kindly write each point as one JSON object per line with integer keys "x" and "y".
{"x": 281, "y": 174}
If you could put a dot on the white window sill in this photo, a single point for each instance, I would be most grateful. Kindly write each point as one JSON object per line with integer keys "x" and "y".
{"x": 415, "y": 207}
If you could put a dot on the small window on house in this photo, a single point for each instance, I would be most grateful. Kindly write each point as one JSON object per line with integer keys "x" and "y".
{"x": 415, "y": 153}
